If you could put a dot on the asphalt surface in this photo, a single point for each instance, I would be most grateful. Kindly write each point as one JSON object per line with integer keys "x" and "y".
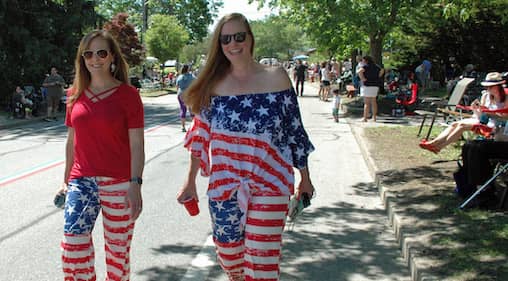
{"x": 344, "y": 235}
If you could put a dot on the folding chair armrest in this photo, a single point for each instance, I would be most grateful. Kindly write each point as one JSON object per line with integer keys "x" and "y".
{"x": 438, "y": 103}
{"x": 455, "y": 113}
{"x": 431, "y": 100}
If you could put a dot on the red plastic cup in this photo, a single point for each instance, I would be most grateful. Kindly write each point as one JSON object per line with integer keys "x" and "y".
{"x": 192, "y": 206}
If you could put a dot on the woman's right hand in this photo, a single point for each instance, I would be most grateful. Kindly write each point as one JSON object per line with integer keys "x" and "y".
{"x": 187, "y": 192}
{"x": 63, "y": 188}
{"x": 475, "y": 104}
{"x": 59, "y": 199}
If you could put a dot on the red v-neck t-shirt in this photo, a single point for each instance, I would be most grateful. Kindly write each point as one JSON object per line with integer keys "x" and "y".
{"x": 101, "y": 139}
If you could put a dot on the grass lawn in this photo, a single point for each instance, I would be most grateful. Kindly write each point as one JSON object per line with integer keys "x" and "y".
{"x": 467, "y": 244}
{"x": 437, "y": 93}
{"x": 151, "y": 93}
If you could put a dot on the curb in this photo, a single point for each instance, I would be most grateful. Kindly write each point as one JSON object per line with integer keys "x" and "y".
{"x": 11, "y": 123}
{"x": 409, "y": 252}
{"x": 18, "y": 122}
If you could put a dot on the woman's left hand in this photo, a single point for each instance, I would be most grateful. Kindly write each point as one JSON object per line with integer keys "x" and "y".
{"x": 305, "y": 186}
{"x": 134, "y": 200}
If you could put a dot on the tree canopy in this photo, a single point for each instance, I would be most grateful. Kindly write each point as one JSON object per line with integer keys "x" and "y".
{"x": 166, "y": 37}
{"x": 37, "y": 35}
{"x": 194, "y": 15}
{"x": 275, "y": 38}
{"x": 342, "y": 26}
{"x": 403, "y": 32}
{"x": 40, "y": 34}
{"x": 467, "y": 9}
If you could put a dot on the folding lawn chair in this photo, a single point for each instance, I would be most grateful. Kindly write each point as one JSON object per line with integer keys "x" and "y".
{"x": 448, "y": 111}
{"x": 502, "y": 168}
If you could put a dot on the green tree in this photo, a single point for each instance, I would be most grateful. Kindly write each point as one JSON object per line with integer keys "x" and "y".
{"x": 193, "y": 53}
{"x": 478, "y": 40}
{"x": 275, "y": 38}
{"x": 466, "y": 9}
{"x": 109, "y": 9}
{"x": 470, "y": 31}
{"x": 346, "y": 24}
{"x": 37, "y": 35}
{"x": 194, "y": 15}
{"x": 166, "y": 37}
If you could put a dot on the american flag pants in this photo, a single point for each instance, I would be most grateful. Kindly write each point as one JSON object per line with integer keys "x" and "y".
{"x": 85, "y": 198}
{"x": 252, "y": 252}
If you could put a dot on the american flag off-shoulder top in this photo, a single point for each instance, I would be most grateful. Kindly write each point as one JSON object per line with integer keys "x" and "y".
{"x": 250, "y": 143}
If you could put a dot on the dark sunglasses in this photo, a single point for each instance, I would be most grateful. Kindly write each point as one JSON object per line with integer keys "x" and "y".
{"x": 100, "y": 53}
{"x": 238, "y": 37}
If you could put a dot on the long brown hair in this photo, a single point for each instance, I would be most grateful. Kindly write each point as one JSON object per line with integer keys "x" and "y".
{"x": 82, "y": 78}
{"x": 215, "y": 69}
{"x": 500, "y": 89}
{"x": 185, "y": 69}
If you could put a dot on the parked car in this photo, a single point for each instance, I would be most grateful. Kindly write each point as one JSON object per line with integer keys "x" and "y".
{"x": 269, "y": 61}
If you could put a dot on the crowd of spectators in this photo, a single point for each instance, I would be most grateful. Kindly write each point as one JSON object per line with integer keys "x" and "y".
{"x": 26, "y": 102}
{"x": 485, "y": 93}
{"x": 487, "y": 148}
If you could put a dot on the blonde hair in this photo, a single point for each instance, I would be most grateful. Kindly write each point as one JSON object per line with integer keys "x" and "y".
{"x": 215, "y": 69}
{"x": 82, "y": 77}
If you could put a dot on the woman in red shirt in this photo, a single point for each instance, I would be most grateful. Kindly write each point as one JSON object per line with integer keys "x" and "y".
{"x": 104, "y": 159}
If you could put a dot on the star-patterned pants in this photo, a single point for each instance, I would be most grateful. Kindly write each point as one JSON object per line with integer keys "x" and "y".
{"x": 85, "y": 198}
{"x": 252, "y": 252}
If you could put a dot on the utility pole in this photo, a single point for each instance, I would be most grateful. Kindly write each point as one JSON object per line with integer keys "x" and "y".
{"x": 144, "y": 28}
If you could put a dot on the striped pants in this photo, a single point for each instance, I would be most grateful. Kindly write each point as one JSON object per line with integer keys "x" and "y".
{"x": 252, "y": 252}
{"x": 85, "y": 198}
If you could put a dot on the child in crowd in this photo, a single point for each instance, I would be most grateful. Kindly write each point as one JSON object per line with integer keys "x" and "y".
{"x": 336, "y": 104}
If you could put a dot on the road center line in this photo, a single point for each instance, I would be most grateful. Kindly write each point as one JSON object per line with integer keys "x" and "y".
{"x": 29, "y": 172}
{"x": 48, "y": 165}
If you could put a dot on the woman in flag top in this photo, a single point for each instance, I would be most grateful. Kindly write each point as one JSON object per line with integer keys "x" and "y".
{"x": 247, "y": 135}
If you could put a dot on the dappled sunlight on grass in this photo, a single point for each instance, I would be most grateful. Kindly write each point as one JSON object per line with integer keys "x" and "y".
{"x": 463, "y": 245}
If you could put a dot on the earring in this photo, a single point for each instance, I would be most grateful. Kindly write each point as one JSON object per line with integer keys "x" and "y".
{"x": 112, "y": 67}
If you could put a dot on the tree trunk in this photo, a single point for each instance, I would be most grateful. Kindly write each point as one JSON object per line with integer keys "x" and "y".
{"x": 145, "y": 17}
{"x": 376, "y": 47}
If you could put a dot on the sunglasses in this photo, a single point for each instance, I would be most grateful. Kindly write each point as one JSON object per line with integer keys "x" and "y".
{"x": 238, "y": 37}
{"x": 100, "y": 53}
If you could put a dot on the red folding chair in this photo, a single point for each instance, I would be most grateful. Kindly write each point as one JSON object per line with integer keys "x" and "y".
{"x": 406, "y": 103}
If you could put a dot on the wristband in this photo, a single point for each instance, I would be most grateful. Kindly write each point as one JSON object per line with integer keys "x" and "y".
{"x": 137, "y": 180}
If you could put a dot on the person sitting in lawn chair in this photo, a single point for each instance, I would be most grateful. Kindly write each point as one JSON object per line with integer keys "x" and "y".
{"x": 21, "y": 105}
{"x": 481, "y": 122}
{"x": 480, "y": 158}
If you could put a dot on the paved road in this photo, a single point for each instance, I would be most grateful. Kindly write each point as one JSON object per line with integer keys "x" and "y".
{"x": 343, "y": 236}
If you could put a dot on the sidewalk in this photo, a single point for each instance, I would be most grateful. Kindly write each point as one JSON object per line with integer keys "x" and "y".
{"x": 345, "y": 234}
{"x": 7, "y": 123}
{"x": 412, "y": 259}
